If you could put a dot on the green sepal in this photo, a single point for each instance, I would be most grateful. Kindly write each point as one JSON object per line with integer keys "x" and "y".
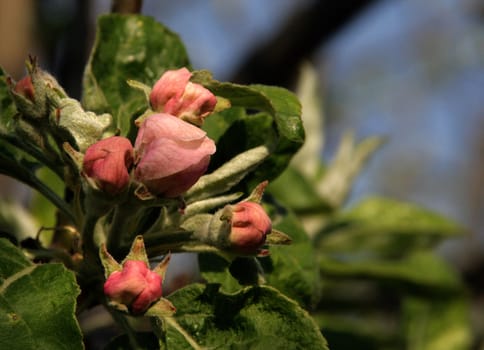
{"x": 137, "y": 251}
{"x": 162, "y": 308}
{"x": 109, "y": 263}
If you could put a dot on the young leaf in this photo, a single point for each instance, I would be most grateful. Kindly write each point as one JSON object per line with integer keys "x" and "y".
{"x": 228, "y": 175}
{"x": 437, "y": 323}
{"x": 37, "y": 304}
{"x": 308, "y": 159}
{"x": 384, "y": 227}
{"x": 418, "y": 271}
{"x": 346, "y": 165}
{"x": 255, "y": 318}
{"x": 301, "y": 198}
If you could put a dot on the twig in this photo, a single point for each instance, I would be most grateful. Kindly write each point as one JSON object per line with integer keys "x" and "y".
{"x": 126, "y": 6}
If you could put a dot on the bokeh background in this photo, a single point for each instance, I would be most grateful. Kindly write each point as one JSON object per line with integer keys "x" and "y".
{"x": 409, "y": 70}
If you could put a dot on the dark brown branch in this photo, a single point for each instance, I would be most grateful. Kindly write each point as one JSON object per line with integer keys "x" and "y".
{"x": 278, "y": 61}
{"x": 126, "y": 6}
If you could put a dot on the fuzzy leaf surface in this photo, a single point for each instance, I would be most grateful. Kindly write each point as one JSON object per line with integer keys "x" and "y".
{"x": 259, "y": 115}
{"x": 253, "y": 318}
{"x": 37, "y": 304}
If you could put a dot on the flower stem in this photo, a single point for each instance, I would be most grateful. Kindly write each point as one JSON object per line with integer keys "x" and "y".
{"x": 121, "y": 225}
{"x": 123, "y": 322}
{"x": 89, "y": 247}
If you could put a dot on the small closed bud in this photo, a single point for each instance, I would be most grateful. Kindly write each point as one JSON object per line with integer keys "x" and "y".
{"x": 131, "y": 286}
{"x": 25, "y": 88}
{"x": 35, "y": 94}
{"x": 174, "y": 94}
{"x": 249, "y": 227}
{"x": 171, "y": 155}
{"x": 135, "y": 286}
{"x": 107, "y": 163}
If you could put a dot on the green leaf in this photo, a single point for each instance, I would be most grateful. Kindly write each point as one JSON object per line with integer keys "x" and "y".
{"x": 369, "y": 330}
{"x": 37, "y": 304}
{"x": 128, "y": 47}
{"x": 278, "y": 125}
{"x": 12, "y": 258}
{"x": 239, "y": 95}
{"x": 384, "y": 227}
{"x": 417, "y": 271}
{"x": 437, "y": 323}
{"x": 254, "y": 318}
{"x": 215, "y": 269}
{"x": 228, "y": 175}
{"x": 346, "y": 165}
{"x": 218, "y": 123}
{"x": 293, "y": 269}
{"x": 246, "y": 133}
{"x": 302, "y": 198}
{"x": 308, "y": 159}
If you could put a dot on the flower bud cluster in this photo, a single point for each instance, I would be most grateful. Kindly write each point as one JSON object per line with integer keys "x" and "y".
{"x": 34, "y": 93}
{"x": 170, "y": 153}
{"x": 47, "y": 116}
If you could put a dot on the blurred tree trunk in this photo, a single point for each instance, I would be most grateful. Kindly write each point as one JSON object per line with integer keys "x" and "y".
{"x": 278, "y": 61}
{"x": 16, "y": 28}
{"x": 17, "y": 41}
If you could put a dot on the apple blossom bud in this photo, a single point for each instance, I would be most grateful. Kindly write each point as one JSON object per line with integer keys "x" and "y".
{"x": 25, "y": 88}
{"x": 35, "y": 93}
{"x": 135, "y": 286}
{"x": 107, "y": 162}
{"x": 249, "y": 226}
{"x": 171, "y": 154}
{"x": 174, "y": 94}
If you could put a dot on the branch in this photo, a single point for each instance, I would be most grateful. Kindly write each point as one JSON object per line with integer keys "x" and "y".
{"x": 126, "y": 6}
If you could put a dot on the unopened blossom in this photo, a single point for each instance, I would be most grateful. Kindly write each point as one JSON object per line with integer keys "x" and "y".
{"x": 25, "y": 88}
{"x": 171, "y": 154}
{"x": 107, "y": 162}
{"x": 135, "y": 286}
{"x": 249, "y": 227}
{"x": 174, "y": 94}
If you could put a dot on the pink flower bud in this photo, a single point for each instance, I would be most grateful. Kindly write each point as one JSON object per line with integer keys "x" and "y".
{"x": 135, "y": 286}
{"x": 174, "y": 94}
{"x": 171, "y": 154}
{"x": 25, "y": 88}
{"x": 107, "y": 162}
{"x": 249, "y": 226}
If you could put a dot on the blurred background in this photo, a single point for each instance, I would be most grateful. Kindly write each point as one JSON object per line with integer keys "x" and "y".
{"x": 409, "y": 70}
